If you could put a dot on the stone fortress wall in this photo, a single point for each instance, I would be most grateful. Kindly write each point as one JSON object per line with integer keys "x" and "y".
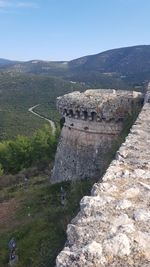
{"x": 93, "y": 121}
{"x": 112, "y": 228}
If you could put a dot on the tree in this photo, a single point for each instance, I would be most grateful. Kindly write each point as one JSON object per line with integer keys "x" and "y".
{"x": 1, "y": 170}
{"x": 24, "y": 152}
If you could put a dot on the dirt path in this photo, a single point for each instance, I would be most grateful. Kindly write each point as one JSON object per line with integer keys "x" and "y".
{"x": 51, "y": 122}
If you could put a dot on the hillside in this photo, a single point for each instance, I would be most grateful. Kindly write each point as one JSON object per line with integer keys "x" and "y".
{"x": 6, "y": 62}
{"x": 25, "y": 84}
{"x": 130, "y": 64}
{"x": 122, "y": 60}
{"x": 19, "y": 92}
{"x": 34, "y": 215}
{"x": 120, "y": 67}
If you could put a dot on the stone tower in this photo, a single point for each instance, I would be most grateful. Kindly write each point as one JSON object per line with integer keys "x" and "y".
{"x": 92, "y": 122}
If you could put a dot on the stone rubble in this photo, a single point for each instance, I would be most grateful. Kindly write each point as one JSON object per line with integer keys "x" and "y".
{"x": 112, "y": 227}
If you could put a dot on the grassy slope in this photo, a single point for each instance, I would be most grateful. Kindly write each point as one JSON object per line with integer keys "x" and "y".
{"x": 41, "y": 235}
{"x": 18, "y": 92}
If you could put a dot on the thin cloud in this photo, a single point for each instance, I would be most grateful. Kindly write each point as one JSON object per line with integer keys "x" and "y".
{"x": 4, "y": 4}
{"x": 26, "y": 5}
{"x": 8, "y": 5}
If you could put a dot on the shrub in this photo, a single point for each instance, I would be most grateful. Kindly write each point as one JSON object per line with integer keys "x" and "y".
{"x": 24, "y": 152}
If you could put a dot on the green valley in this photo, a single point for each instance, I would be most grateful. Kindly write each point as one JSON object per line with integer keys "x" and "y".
{"x": 19, "y": 92}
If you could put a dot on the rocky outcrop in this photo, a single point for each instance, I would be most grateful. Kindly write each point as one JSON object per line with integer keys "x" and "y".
{"x": 112, "y": 227}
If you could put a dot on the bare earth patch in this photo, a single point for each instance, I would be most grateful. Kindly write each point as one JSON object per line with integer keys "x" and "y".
{"x": 7, "y": 211}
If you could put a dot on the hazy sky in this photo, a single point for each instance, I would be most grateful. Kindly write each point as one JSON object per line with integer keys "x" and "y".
{"x": 67, "y": 29}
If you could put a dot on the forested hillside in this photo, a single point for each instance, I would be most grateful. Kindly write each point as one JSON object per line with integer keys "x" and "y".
{"x": 19, "y": 92}
{"x": 122, "y": 67}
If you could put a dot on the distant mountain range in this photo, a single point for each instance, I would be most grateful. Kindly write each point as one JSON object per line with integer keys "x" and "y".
{"x": 122, "y": 66}
{"x": 6, "y": 62}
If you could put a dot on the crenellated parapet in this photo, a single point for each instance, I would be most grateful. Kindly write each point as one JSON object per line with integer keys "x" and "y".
{"x": 98, "y": 105}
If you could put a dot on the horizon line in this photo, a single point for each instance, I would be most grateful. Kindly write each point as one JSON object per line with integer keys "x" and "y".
{"x": 71, "y": 59}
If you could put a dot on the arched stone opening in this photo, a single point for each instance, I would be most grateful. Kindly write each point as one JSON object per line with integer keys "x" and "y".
{"x": 65, "y": 112}
{"x": 70, "y": 113}
{"x": 93, "y": 116}
{"x": 84, "y": 115}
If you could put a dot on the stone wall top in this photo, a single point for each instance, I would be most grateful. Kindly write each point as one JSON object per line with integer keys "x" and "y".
{"x": 104, "y": 103}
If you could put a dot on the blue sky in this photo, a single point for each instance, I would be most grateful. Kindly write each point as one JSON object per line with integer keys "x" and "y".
{"x": 68, "y": 29}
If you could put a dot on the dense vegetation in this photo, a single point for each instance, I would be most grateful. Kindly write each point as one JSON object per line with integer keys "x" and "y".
{"x": 19, "y": 92}
{"x": 122, "y": 67}
{"x": 47, "y": 111}
{"x": 25, "y": 84}
{"x": 24, "y": 152}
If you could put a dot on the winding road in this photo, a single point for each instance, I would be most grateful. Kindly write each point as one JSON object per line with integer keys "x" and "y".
{"x": 38, "y": 115}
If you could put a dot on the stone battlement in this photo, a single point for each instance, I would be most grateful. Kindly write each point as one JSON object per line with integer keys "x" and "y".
{"x": 98, "y": 105}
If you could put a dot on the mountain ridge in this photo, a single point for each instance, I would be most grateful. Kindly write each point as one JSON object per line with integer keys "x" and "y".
{"x": 75, "y": 59}
{"x": 127, "y": 64}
